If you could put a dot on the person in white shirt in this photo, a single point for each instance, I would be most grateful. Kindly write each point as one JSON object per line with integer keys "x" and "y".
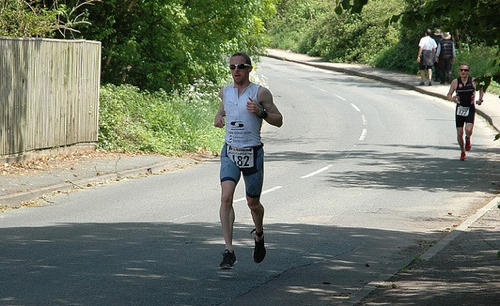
{"x": 426, "y": 56}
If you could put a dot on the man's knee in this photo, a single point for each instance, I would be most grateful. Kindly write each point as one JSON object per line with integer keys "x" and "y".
{"x": 226, "y": 200}
{"x": 253, "y": 203}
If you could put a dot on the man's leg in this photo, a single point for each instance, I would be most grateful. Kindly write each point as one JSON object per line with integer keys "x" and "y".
{"x": 257, "y": 211}
{"x": 442, "y": 71}
{"x": 460, "y": 138}
{"x": 227, "y": 213}
{"x": 422, "y": 75}
{"x": 259, "y": 252}
{"x": 253, "y": 187}
{"x": 429, "y": 72}
{"x": 469, "y": 128}
{"x": 448, "y": 71}
{"x": 437, "y": 76}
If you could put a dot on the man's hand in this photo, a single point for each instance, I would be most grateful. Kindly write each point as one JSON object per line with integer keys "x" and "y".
{"x": 219, "y": 121}
{"x": 253, "y": 107}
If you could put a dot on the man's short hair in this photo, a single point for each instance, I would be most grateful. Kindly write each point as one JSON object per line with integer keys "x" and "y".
{"x": 247, "y": 58}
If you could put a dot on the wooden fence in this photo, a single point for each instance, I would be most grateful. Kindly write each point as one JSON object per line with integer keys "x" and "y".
{"x": 49, "y": 94}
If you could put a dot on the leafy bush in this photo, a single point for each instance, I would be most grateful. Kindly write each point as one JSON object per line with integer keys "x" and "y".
{"x": 373, "y": 36}
{"x": 312, "y": 27}
{"x": 132, "y": 120}
{"x": 481, "y": 59}
{"x": 400, "y": 56}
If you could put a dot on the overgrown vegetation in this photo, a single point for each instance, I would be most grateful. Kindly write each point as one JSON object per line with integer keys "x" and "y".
{"x": 167, "y": 58}
{"x": 37, "y": 18}
{"x": 385, "y": 33}
{"x": 164, "y": 57}
{"x": 173, "y": 123}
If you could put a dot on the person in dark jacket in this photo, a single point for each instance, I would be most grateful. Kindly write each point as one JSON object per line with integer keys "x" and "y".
{"x": 446, "y": 55}
{"x": 438, "y": 37}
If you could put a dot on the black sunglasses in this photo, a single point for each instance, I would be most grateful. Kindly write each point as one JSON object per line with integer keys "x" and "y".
{"x": 239, "y": 66}
{"x": 464, "y": 70}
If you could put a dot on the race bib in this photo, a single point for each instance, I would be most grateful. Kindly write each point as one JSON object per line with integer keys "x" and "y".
{"x": 242, "y": 157}
{"x": 463, "y": 111}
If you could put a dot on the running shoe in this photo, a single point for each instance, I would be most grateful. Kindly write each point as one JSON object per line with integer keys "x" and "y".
{"x": 421, "y": 83}
{"x": 228, "y": 260}
{"x": 430, "y": 83}
{"x": 467, "y": 144}
{"x": 259, "y": 252}
{"x": 462, "y": 156}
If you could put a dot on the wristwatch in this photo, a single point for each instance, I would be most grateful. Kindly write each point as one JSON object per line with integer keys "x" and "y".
{"x": 263, "y": 113}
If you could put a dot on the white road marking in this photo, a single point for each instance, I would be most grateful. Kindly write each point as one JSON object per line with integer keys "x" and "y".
{"x": 263, "y": 192}
{"x": 318, "y": 88}
{"x": 316, "y": 172}
{"x": 355, "y": 107}
{"x": 341, "y": 98}
{"x": 363, "y": 134}
{"x": 365, "y": 122}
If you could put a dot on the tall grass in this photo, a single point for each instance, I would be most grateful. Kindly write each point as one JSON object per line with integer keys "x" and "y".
{"x": 172, "y": 124}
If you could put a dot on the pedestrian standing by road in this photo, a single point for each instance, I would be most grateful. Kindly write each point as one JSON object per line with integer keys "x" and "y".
{"x": 446, "y": 55}
{"x": 244, "y": 105}
{"x": 465, "y": 89}
{"x": 426, "y": 54}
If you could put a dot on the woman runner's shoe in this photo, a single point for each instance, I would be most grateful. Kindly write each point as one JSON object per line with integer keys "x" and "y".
{"x": 462, "y": 156}
{"x": 228, "y": 260}
{"x": 259, "y": 252}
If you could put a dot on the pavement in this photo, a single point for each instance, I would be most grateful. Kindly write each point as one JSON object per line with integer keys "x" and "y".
{"x": 461, "y": 269}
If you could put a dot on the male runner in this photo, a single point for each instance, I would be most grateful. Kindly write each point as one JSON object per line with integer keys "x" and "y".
{"x": 245, "y": 105}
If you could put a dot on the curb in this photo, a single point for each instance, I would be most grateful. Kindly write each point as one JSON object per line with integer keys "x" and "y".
{"x": 319, "y": 64}
{"x": 15, "y": 200}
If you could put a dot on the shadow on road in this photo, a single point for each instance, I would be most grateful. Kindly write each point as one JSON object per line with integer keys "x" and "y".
{"x": 176, "y": 264}
{"x": 407, "y": 168}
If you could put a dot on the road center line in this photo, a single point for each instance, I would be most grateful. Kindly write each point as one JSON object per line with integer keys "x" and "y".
{"x": 318, "y": 88}
{"x": 263, "y": 192}
{"x": 341, "y": 98}
{"x": 316, "y": 172}
{"x": 355, "y": 107}
{"x": 363, "y": 134}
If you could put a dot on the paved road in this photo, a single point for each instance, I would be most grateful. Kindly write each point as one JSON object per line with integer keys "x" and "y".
{"x": 347, "y": 206}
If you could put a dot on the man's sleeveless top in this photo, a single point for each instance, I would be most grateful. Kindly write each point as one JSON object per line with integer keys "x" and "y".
{"x": 446, "y": 49}
{"x": 466, "y": 92}
{"x": 242, "y": 127}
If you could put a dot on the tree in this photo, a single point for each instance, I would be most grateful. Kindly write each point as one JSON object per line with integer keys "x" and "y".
{"x": 151, "y": 44}
{"x": 474, "y": 21}
{"x": 157, "y": 44}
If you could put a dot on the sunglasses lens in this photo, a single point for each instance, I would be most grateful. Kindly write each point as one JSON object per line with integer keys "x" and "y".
{"x": 464, "y": 70}
{"x": 239, "y": 66}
